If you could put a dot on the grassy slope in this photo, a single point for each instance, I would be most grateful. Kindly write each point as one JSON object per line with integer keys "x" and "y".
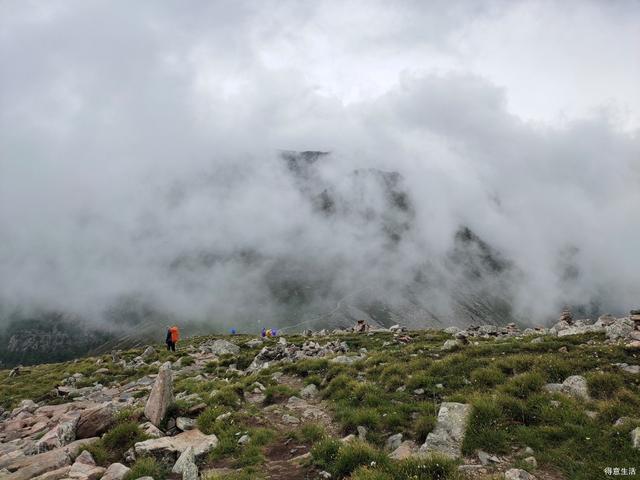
{"x": 502, "y": 380}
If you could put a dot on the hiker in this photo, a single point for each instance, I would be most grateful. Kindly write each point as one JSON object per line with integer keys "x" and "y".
{"x": 263, "y": 333}
{"x": 173, "y": 335}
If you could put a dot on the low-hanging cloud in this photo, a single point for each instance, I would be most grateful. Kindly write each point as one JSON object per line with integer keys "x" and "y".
{"x": 143, "y": 154}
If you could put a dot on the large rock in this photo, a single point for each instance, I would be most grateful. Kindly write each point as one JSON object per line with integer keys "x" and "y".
{"x": 32, "y": 466}
{"x": 187, "y": 457}
{"x": 95, "y": 421}
{"x": 184, "y": 423}
{"x": 222, "y": 347}
{"x": 29, "y": 467}
{"x": 574, "y": 386}
{"x": 450, "y": 345}
{"x": 161, "y": 395}
{"x": 59, "y": 474}
{"x": 619, "y": 329}
{"x": 169, "y": 448}
{"x": 309, "y": 392}
{"x": 59, "y": 436}
{"x": 116, "y": 471}
{"x": 579, "y": 330}
{"x": 85, "y": 468}
{"x": 448, "y": 433}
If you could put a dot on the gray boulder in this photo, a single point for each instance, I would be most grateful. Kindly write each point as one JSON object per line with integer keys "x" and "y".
{"x": 620, "y": 329}
{"x": 308, "y": 392}
{"x": 161, "y": 395}
{"x": 116, "y": 471}
{"x": 95, "y": 421}
{"x": 186, "y": 457}
{"x": 59, "y": 436}
{"x": 223, "y": 347}
{"x": 450, "y": 345}
{"x": 394, "y": 441}
{"x": 574, "y": 386}
{"x": 448, "y": 434}
{"x": 579, "y": 330}
{"x": 168, "y": 449}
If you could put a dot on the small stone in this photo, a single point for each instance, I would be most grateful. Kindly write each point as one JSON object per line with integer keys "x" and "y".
{"x": 518, "y": 474}
{"x": 531, "y": 462}
{"x": 635, "y": 438}
{"x": 449, "y": 345}
{"x": 184, "y": 423}
{"x": 290, "y": 419}
{"x": 404, "y": 450}
{"x": 116, "y": 471}
{"x": 244, "y": 439}
{"x": 309, "y": 392}
{"x": 394, "y": 441}
{"x": 622, "y": 421}
{"x": 362, "y": 432}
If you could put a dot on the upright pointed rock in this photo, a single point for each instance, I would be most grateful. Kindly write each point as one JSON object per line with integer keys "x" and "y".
{"x": 447, "y": 436}
{"x": 161, "y": 395}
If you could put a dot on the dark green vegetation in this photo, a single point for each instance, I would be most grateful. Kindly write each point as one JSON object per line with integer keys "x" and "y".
{"x": 395, "y": 389}
{"x": 46, "y": 338}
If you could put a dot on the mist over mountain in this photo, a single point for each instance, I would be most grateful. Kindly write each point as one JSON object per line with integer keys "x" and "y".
{"x": 263, "y": 165}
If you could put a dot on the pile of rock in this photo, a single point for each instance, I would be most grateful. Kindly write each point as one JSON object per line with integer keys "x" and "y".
{"x": 485, "y": 331}
{"x": 219, "y": 347}
{"x": 626, "y": 329}
{"x": 566, "y": 316}
{"x": 288, "y": 352}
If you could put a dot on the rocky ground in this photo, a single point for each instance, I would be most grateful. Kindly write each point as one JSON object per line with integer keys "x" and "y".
{"x": 487, "y": 402}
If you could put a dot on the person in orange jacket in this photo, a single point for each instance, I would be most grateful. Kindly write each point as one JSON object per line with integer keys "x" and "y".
{"x": 173, "y": 335}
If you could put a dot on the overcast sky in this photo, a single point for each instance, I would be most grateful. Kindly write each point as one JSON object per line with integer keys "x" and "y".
{"x": 520, "y": 119}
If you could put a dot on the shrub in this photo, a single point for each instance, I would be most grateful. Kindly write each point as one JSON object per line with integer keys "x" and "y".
{"x": 277, "y": 394}
{"x": 355, "y": 454}
{"x": 485, "y": 429}
{"x": 261, "y": 436}
{"x": 524, "y": 385}
{"x": 324, "y": 453}
{"x": 487, "y": 377}
{"x": 340, "y": 387}
{"x": 146, "y": 467}
{"x": 315, "y": 379}
{"x": 555, "y": 368}
{"x": 122, "y": 437}
{"x": 98, "y": 452}
{"x": 187, "y": 360}
{"x": 226, "y": 396}
{"x": 430, "y": 468}
{"x": 423, "y": 426}
{"x": 249, "y": 455}
{"x": 207, "y": 419}
{"x": 312, "y": 432}
{"x": 352, "y": 417}
{"x": 603, "y": 385}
